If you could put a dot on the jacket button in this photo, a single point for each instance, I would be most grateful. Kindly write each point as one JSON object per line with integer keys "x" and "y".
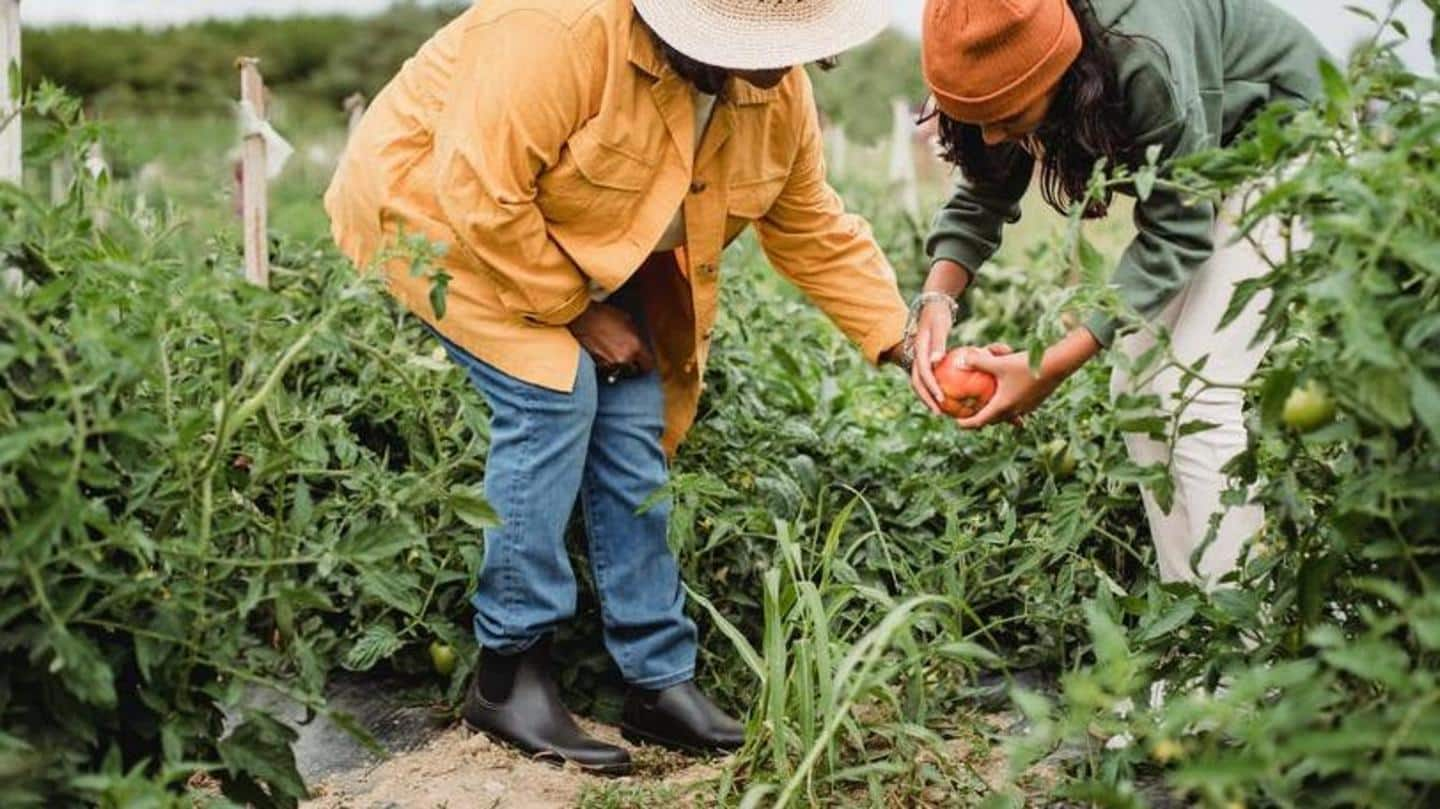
{"x": 698, "y": 187}
{"x": 708, "y": 335}
{"x": 707, "y": 269}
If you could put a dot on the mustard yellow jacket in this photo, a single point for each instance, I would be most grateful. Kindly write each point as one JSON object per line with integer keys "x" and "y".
{"x": 548, "y": 144}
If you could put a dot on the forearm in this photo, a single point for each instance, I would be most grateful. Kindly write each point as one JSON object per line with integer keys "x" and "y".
{"x": 948, "y": 278}
{"x": 1070, "y": 354}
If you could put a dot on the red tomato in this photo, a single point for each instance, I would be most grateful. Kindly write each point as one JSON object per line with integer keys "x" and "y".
{"x": 967, "y": 390}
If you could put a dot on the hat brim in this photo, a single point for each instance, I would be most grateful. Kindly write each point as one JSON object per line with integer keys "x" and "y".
{"x": 701, "y": 33}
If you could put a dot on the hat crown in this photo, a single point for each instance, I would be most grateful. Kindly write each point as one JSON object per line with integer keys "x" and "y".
{"x": 763, "y": 34}
{"x": 996, "y": 51}
{"x": 768, "y": 10}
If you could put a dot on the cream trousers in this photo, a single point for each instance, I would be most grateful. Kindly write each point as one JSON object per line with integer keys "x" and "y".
{"x": 1195, "y": 461}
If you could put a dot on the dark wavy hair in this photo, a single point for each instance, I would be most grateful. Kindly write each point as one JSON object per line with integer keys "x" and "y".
{"x": 706, "y": 78}
{"x": 1086, "y": 123}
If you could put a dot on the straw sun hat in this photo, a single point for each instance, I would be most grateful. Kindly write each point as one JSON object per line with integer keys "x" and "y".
{"x": 763, "y": 34}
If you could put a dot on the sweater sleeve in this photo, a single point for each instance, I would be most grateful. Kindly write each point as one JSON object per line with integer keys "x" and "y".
{"x": 967, "y": 230}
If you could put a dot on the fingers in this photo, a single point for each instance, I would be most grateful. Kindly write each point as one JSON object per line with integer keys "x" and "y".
{"x": 999, "y": 349}
{"x": 922, "y": 378}
{"x": 990, "y": 414}
{"x": 1001, "y": 407}
{"x": 926, "y": 369}
{"x": 922, "y": 391}
{"x": 984, "y": 361}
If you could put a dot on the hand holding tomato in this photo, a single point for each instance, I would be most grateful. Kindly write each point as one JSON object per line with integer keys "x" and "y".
{"x": 964, "y": 390}
{"x": 931, "y": 334}
{"x": 1019, "y": 391}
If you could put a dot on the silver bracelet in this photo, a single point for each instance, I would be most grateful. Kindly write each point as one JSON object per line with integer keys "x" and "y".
{"x": 912, "y": 324}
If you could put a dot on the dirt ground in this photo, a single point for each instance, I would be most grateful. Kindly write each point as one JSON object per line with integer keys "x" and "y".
{"x": 463, "y": 770}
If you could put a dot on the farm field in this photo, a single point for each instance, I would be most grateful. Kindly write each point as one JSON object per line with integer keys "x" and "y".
{"x": 216, "y": 499}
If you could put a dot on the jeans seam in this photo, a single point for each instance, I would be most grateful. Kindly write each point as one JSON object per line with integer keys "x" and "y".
{"x": 660, "y": 683}
{"x": 598, "y": 558}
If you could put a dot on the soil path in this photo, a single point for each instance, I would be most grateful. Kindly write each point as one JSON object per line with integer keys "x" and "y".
{"x": 459, "y": 769}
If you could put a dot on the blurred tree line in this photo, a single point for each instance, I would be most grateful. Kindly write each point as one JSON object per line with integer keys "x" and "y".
{"x": 326, "y": 58}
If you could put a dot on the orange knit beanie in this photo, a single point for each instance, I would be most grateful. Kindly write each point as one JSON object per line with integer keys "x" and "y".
{"x": 988, "y": 60}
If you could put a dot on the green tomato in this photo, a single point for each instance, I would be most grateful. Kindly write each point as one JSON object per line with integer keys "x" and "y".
{"x": 1059, "y": 459}
{"x": 1308, "y": 408}
{"x": 443, "y": 657}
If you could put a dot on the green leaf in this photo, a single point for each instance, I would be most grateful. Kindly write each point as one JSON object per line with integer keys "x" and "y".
{"x": 1172, "y": 619}
{"x": 396, "y": 588}
{"x": 45, "y": 432}
{"x": 1376, "y": 660}
{"x": 259, "y": 749}
{"x": 1315, "y": 580}
{"x": 1386, "y": 397}
{"x": 966, "y": 650}
{"x": 1108, "y": 636}
{"x": 378, "y": 642}
{"x": 1273, "y": 393}
{"x": 439, "y": 292}
{"x": 1337, "y": 87}
{"x": 1361, "y": 11}
{"x": 1196, "y": 427}
{"x": 17, "y": 81}
{"x": 82, "y": 668}
{"x": 1145, "y": 183}
{"x": 1425, "y": 621}
{"x": 472, "y": 508}
{"x": 1425, "y": 397}
{"x": 377, "y": 543}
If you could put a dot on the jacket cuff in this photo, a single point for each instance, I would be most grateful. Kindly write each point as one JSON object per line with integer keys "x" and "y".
{"x": 1103, "y": 327}
{"x": 884, "y": 335}
{"x": 562, "y": 314}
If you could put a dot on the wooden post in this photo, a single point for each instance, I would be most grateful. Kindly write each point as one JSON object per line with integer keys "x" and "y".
{"x": 902, "y": 157}
{"x": 11, "y": 169}
{"x": 60, "y": 179}
{"x": 839, "y": 148}
{"x": 355, "y": 108}
{"x": 254, "y": 180}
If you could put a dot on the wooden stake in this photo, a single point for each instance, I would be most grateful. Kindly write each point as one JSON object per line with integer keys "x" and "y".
{"x": 11, "y": 169}
{"x": 355, "y": 108}
{"x": 254, "y": 180}
{"x": 838, "y": 144}
{"x": 902, "y": 157}
{"x": 60, "y": 179}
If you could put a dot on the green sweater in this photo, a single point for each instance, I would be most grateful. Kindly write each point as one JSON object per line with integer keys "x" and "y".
{"x": 1217, "y": 63}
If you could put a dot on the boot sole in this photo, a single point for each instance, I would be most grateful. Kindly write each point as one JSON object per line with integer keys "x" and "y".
{"x": 640, "y": 737}
{"x": 553, "y": 759}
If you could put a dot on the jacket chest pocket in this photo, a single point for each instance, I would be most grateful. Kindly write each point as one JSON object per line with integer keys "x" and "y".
{"x": 594, "y": 179}
{"x": 749, "y": 201}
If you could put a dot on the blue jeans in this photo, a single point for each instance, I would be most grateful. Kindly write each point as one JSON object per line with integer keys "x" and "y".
{"x": 602, "y": 445}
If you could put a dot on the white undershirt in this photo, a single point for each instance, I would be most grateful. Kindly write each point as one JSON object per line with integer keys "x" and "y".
{"x": 674, "y": 236}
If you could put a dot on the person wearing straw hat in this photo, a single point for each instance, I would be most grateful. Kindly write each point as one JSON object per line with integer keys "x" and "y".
{"x": 585, "y": 162}
{"x": 1050, "y": 89}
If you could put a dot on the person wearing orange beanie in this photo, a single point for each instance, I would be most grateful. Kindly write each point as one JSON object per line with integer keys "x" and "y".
{"x": 1052, "y": 87}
